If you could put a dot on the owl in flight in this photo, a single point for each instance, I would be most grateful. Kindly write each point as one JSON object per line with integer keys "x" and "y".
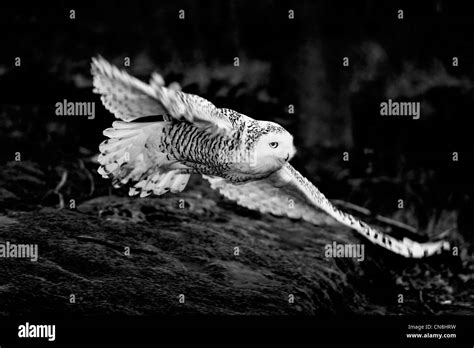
{"x": 246, "y": 160}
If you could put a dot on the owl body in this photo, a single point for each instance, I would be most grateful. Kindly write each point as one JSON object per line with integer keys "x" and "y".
{"x": 231, "y": 156}
{"x": 200, "y": 151}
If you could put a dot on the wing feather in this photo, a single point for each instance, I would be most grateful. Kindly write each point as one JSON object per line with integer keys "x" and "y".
{"x": 275, "y": 194}
{"x": 264, "y": 196}
{"x": 125, "y": 96}
{"x": 128, "y": 99}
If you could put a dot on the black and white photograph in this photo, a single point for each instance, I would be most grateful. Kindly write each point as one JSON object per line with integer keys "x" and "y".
{"x": 254, "y": 173}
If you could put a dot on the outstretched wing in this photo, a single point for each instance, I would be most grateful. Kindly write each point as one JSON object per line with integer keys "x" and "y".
{"x": 122, "y": 94}
{"x": 129, "y": 99}
{"x": 288, "y": 193}
{"x": 267, "y": 197}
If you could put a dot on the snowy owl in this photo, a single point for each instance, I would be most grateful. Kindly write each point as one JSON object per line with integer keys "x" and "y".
{"x": 246, "y": 160}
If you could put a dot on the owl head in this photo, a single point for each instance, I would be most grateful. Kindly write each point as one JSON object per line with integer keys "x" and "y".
{"x": 272, "y": 146}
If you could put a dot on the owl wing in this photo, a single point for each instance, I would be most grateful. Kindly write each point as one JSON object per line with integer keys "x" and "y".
{"x": 288, "y": 193}
{"x": 128, "y": 99}
{"x": 267, "y": 197}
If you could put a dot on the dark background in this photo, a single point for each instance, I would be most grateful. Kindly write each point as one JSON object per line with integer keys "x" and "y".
{"x": 282, "y": 61}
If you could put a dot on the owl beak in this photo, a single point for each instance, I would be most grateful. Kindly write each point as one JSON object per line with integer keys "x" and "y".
{"x": 291, "y": 154}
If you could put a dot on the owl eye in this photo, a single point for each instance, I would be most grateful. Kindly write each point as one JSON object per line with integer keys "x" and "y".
{"x": 273, "y": 145}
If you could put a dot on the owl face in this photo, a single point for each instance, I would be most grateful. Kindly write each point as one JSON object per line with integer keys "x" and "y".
{"x": 273, "y": 148}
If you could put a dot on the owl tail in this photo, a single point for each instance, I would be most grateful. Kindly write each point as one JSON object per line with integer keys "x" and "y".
{"x": 123, "y": 157}
{"x": 128, "y": 157}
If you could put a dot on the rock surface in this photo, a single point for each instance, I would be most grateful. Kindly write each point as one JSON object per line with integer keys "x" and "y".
{"x": 185, "y": 244}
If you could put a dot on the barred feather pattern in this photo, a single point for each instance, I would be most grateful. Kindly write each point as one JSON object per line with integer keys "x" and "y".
{"x": 207, "y": 153}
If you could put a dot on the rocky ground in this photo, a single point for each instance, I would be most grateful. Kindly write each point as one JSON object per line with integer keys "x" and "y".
{"x": 184, "y": 244}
